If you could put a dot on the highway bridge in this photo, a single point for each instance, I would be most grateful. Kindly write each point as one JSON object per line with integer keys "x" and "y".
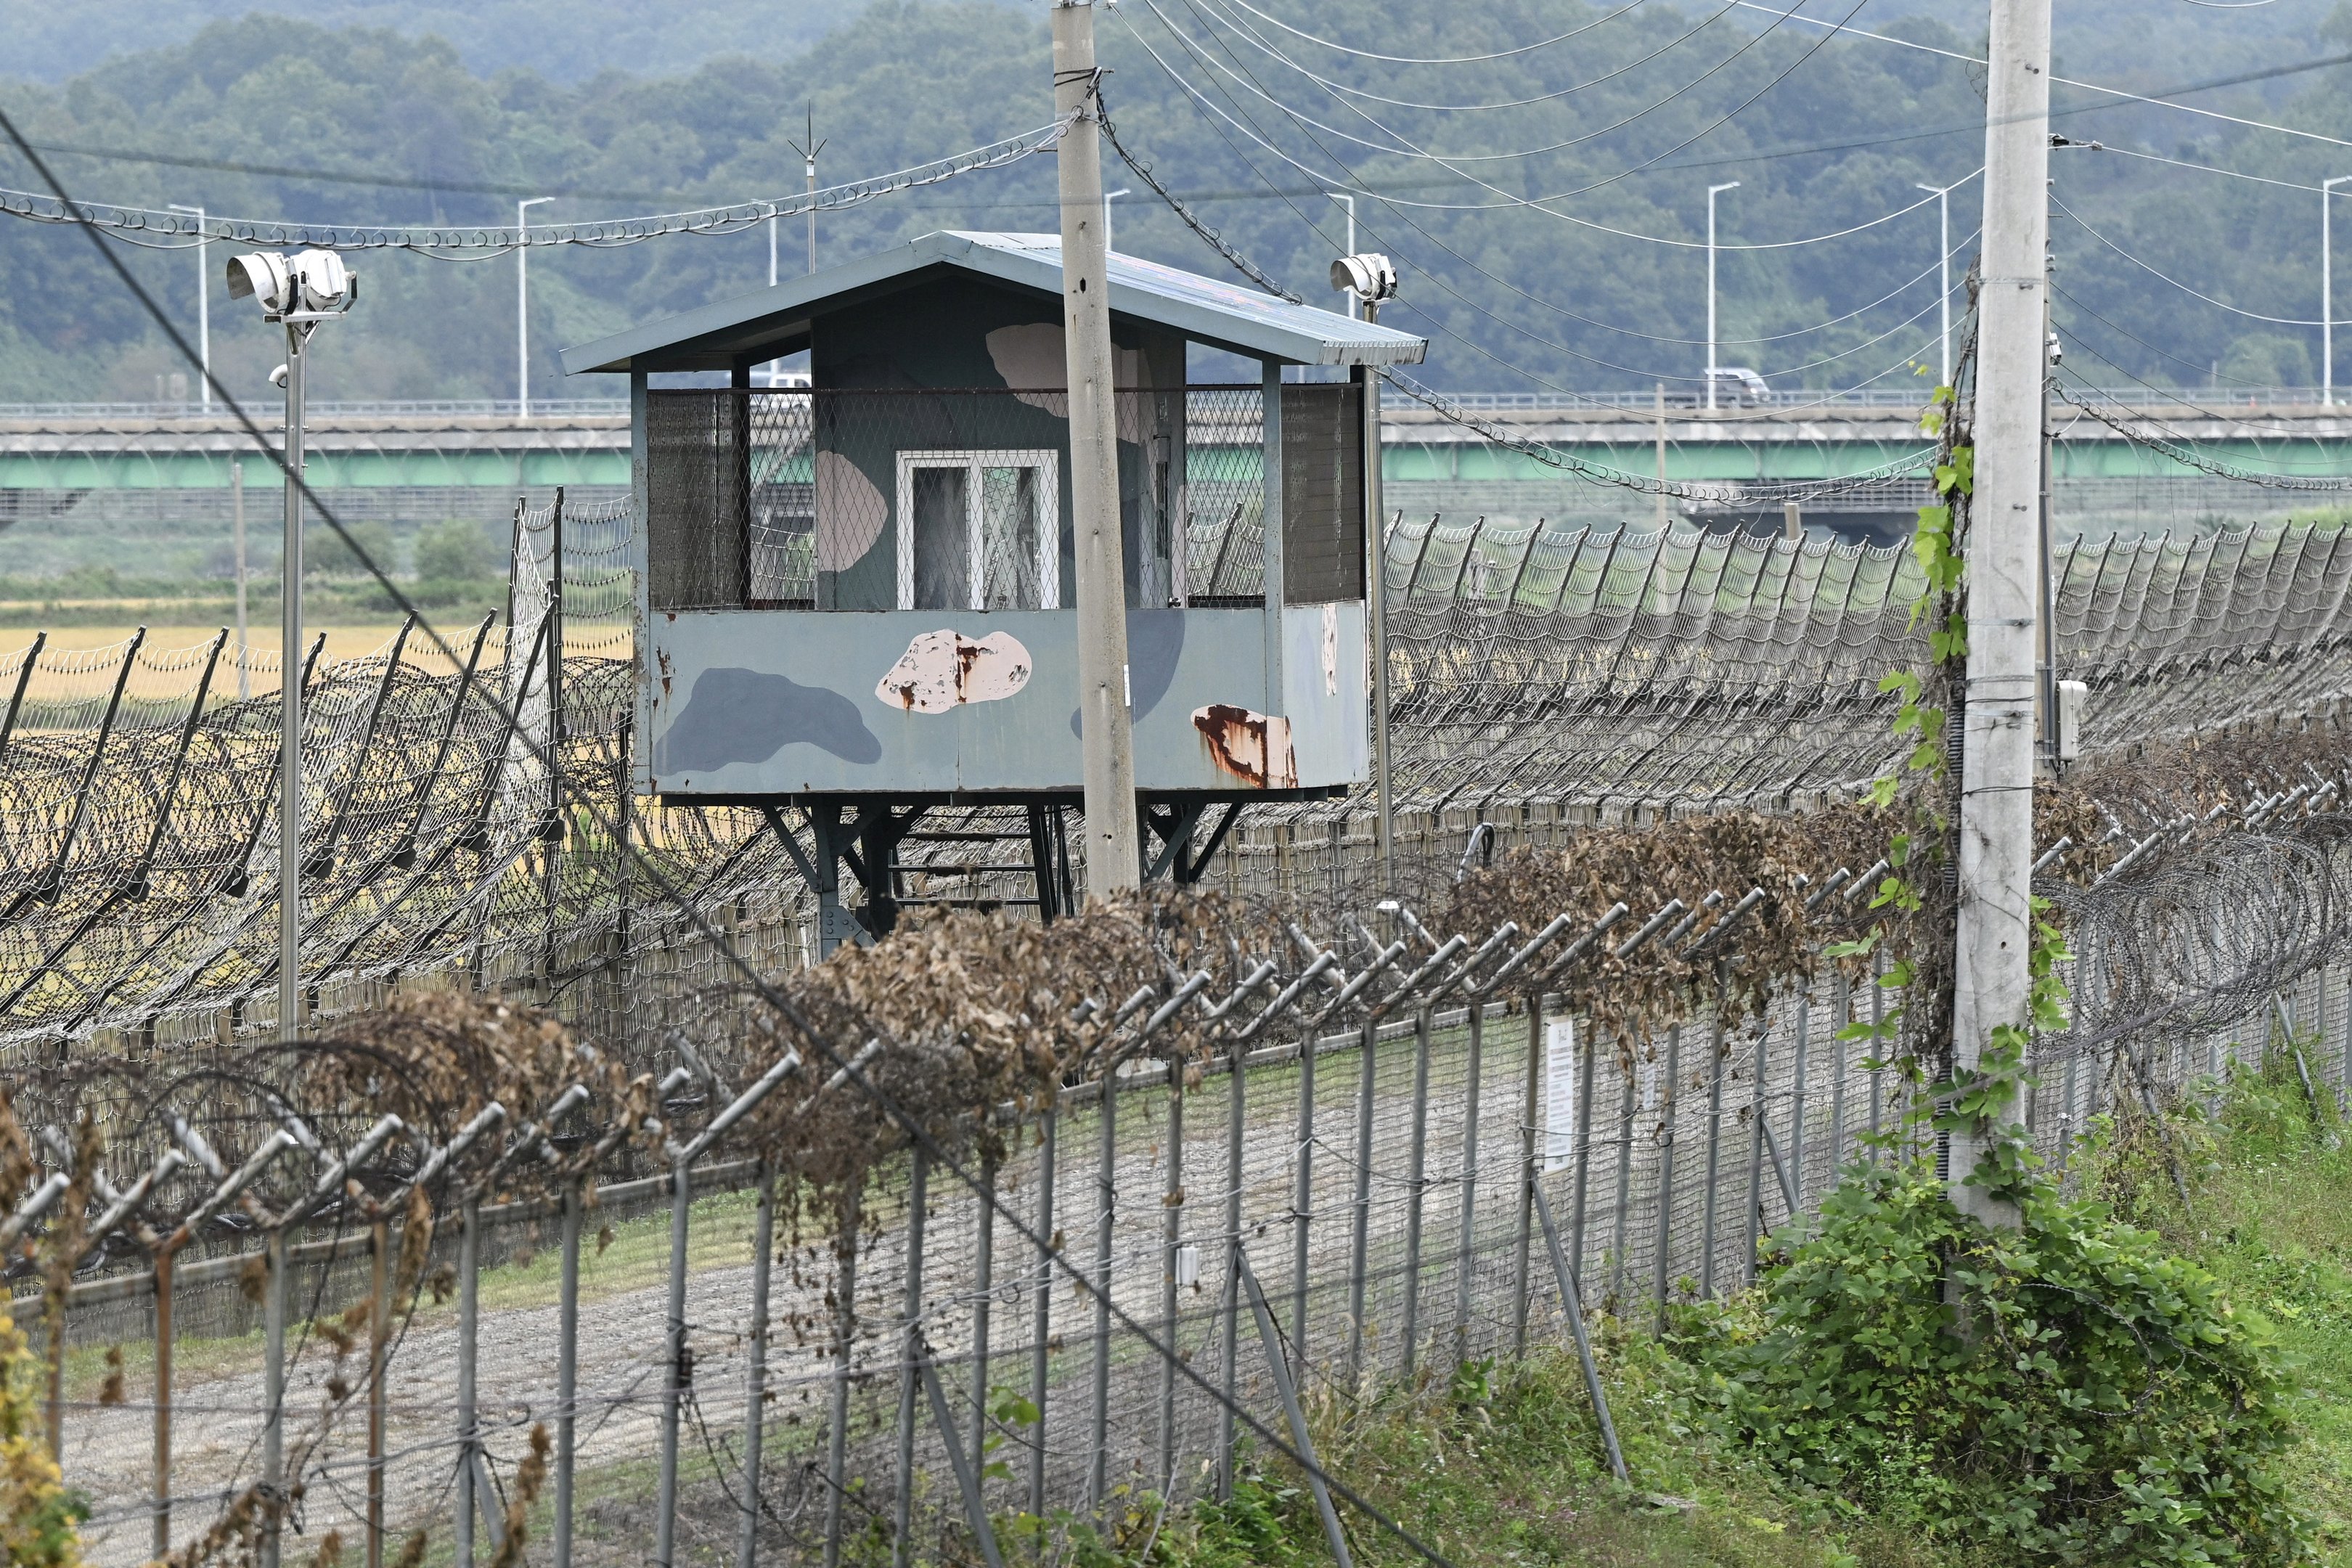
{"x": 2162, "y": 457}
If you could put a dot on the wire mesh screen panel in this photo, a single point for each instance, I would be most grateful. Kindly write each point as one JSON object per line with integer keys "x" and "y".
{"x": 695, "y": 483}
{"x": 1322, "y": 493}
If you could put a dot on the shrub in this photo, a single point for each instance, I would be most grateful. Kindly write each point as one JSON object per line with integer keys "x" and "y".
{"x": 2070, "y": 1392}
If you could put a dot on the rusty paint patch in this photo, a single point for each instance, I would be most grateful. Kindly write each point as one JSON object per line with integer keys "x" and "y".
{"x": 1331, "y": 651}
{"x": 661, "y": 656}
{"x": 942, "y": 669}
{"x": 1253, "y": 747}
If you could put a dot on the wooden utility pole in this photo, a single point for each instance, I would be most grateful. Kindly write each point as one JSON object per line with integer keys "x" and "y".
{"x": 1114, "y": 857}
{"x": 1996, "y": 830}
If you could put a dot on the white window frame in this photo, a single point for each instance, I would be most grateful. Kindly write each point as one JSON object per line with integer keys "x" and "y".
{"x": 1049, "y": 518}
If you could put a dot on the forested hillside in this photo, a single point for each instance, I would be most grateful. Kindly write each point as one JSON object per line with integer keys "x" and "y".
{"x": 1546, "y": 203}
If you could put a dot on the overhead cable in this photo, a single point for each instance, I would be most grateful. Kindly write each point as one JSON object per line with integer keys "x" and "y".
{"x": 1348, "y": 183}
{"x": 2162, "y": 99}
{"x": 2177, "y": 283}
{"x": 1450, "y": 60}
{"x": 455, "y": 242}
{"x": 1738, "y": 492}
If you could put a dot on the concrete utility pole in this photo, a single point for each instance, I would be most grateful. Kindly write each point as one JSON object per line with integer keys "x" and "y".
{"x": 1114, "y": 856}
{"x": 1997, "y": 728}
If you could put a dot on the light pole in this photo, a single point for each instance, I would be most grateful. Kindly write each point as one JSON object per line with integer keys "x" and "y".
{"x": 1712, "y": 191}
{"x": 203, "y": 306}
{"x": 1349, "y": 201}
{"x": 1943, "y": 194}
{"x": 522, "y": 312}
{"x": 2328, "y": 289}
{"x": 297, "y": 292}
{"x": 1108, "y": 197}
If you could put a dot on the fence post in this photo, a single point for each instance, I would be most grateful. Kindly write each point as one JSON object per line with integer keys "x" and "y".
{"x": 1042, "y": 1309}
{"x": 1583, "y": 1154}
{"x": 902, "y": 1519}
{"x": 1106, "y": 1218}
{"x": 1670, "y": 1108}
{"x": 1229, "y": 1368}
{"x": 755, "y": 1360}
{"x": 1302, "y": 1201}
{"x": 984, "y": 1293}
{"x": 1877, "y": 1045}
{"x": 1465, "y": 1249}
{"x": 1797, "y": 1103}
{"x": 567, "y": 1369}
{"x": 1757, "y": 1105}
{"x": 1414, "y": 1189}
{"x": 379, "y": 1396}
{"x": 1715, "y": 1053}
{"x": 1359, "y": 1242}
{"x": 469, "y": 1241}
{"x": 845, "y": 1341}
{"x": 681, "y": 1200}
{"x": 1617, "y": 1238}
{"x": 1530, "y": 1165}
{"x": 1841, "y": 1019}
{"x": 273, "y": 1397}
{"x": 1171, "y": 1236}
{"x": 165, "y": 1256}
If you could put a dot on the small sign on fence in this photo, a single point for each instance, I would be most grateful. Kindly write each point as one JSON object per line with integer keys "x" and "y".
{"x": 1560, "y": 1093}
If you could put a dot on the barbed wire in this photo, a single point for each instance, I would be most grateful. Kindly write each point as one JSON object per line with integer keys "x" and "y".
{"x": 2144, "y": 431}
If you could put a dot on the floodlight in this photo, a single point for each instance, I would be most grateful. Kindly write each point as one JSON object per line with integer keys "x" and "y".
{"x": 326, "y": 283}
{"x": 309, "y": 282}
{"x": 1371, "y": 276}
{"x": 262, "y": 275}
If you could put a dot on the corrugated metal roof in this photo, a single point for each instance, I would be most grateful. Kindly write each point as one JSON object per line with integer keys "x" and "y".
{"x": 773, "y": 321}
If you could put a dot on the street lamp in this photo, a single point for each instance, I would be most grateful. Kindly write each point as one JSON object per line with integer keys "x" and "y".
{"x": 297, "y": 292}
{"x": 1108, "y": 197}
{"x": 2328, "y": 289}
{"x": 1712, "y": 191}
{"x": 1349, "y": 201}
{"x": 1943, "y": 194}
{"x": 203, "y": 305}
{"x": 522, "y": 310}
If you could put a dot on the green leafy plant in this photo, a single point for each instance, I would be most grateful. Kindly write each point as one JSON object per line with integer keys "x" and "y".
{"x": 2066, "y": 1392}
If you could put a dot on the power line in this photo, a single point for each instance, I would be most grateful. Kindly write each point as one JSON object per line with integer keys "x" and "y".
{"x": 2161, "y": 99}
{"x": 481, "y": 243}
{"x": 2177, "y": 283}
{"x": 1507, "y": 323}
{"x": 1454, "y": 60}
{"x": 1631, "y": 66}
{"x": 333, "y": 177}
{"x": 1349, "y": 182}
